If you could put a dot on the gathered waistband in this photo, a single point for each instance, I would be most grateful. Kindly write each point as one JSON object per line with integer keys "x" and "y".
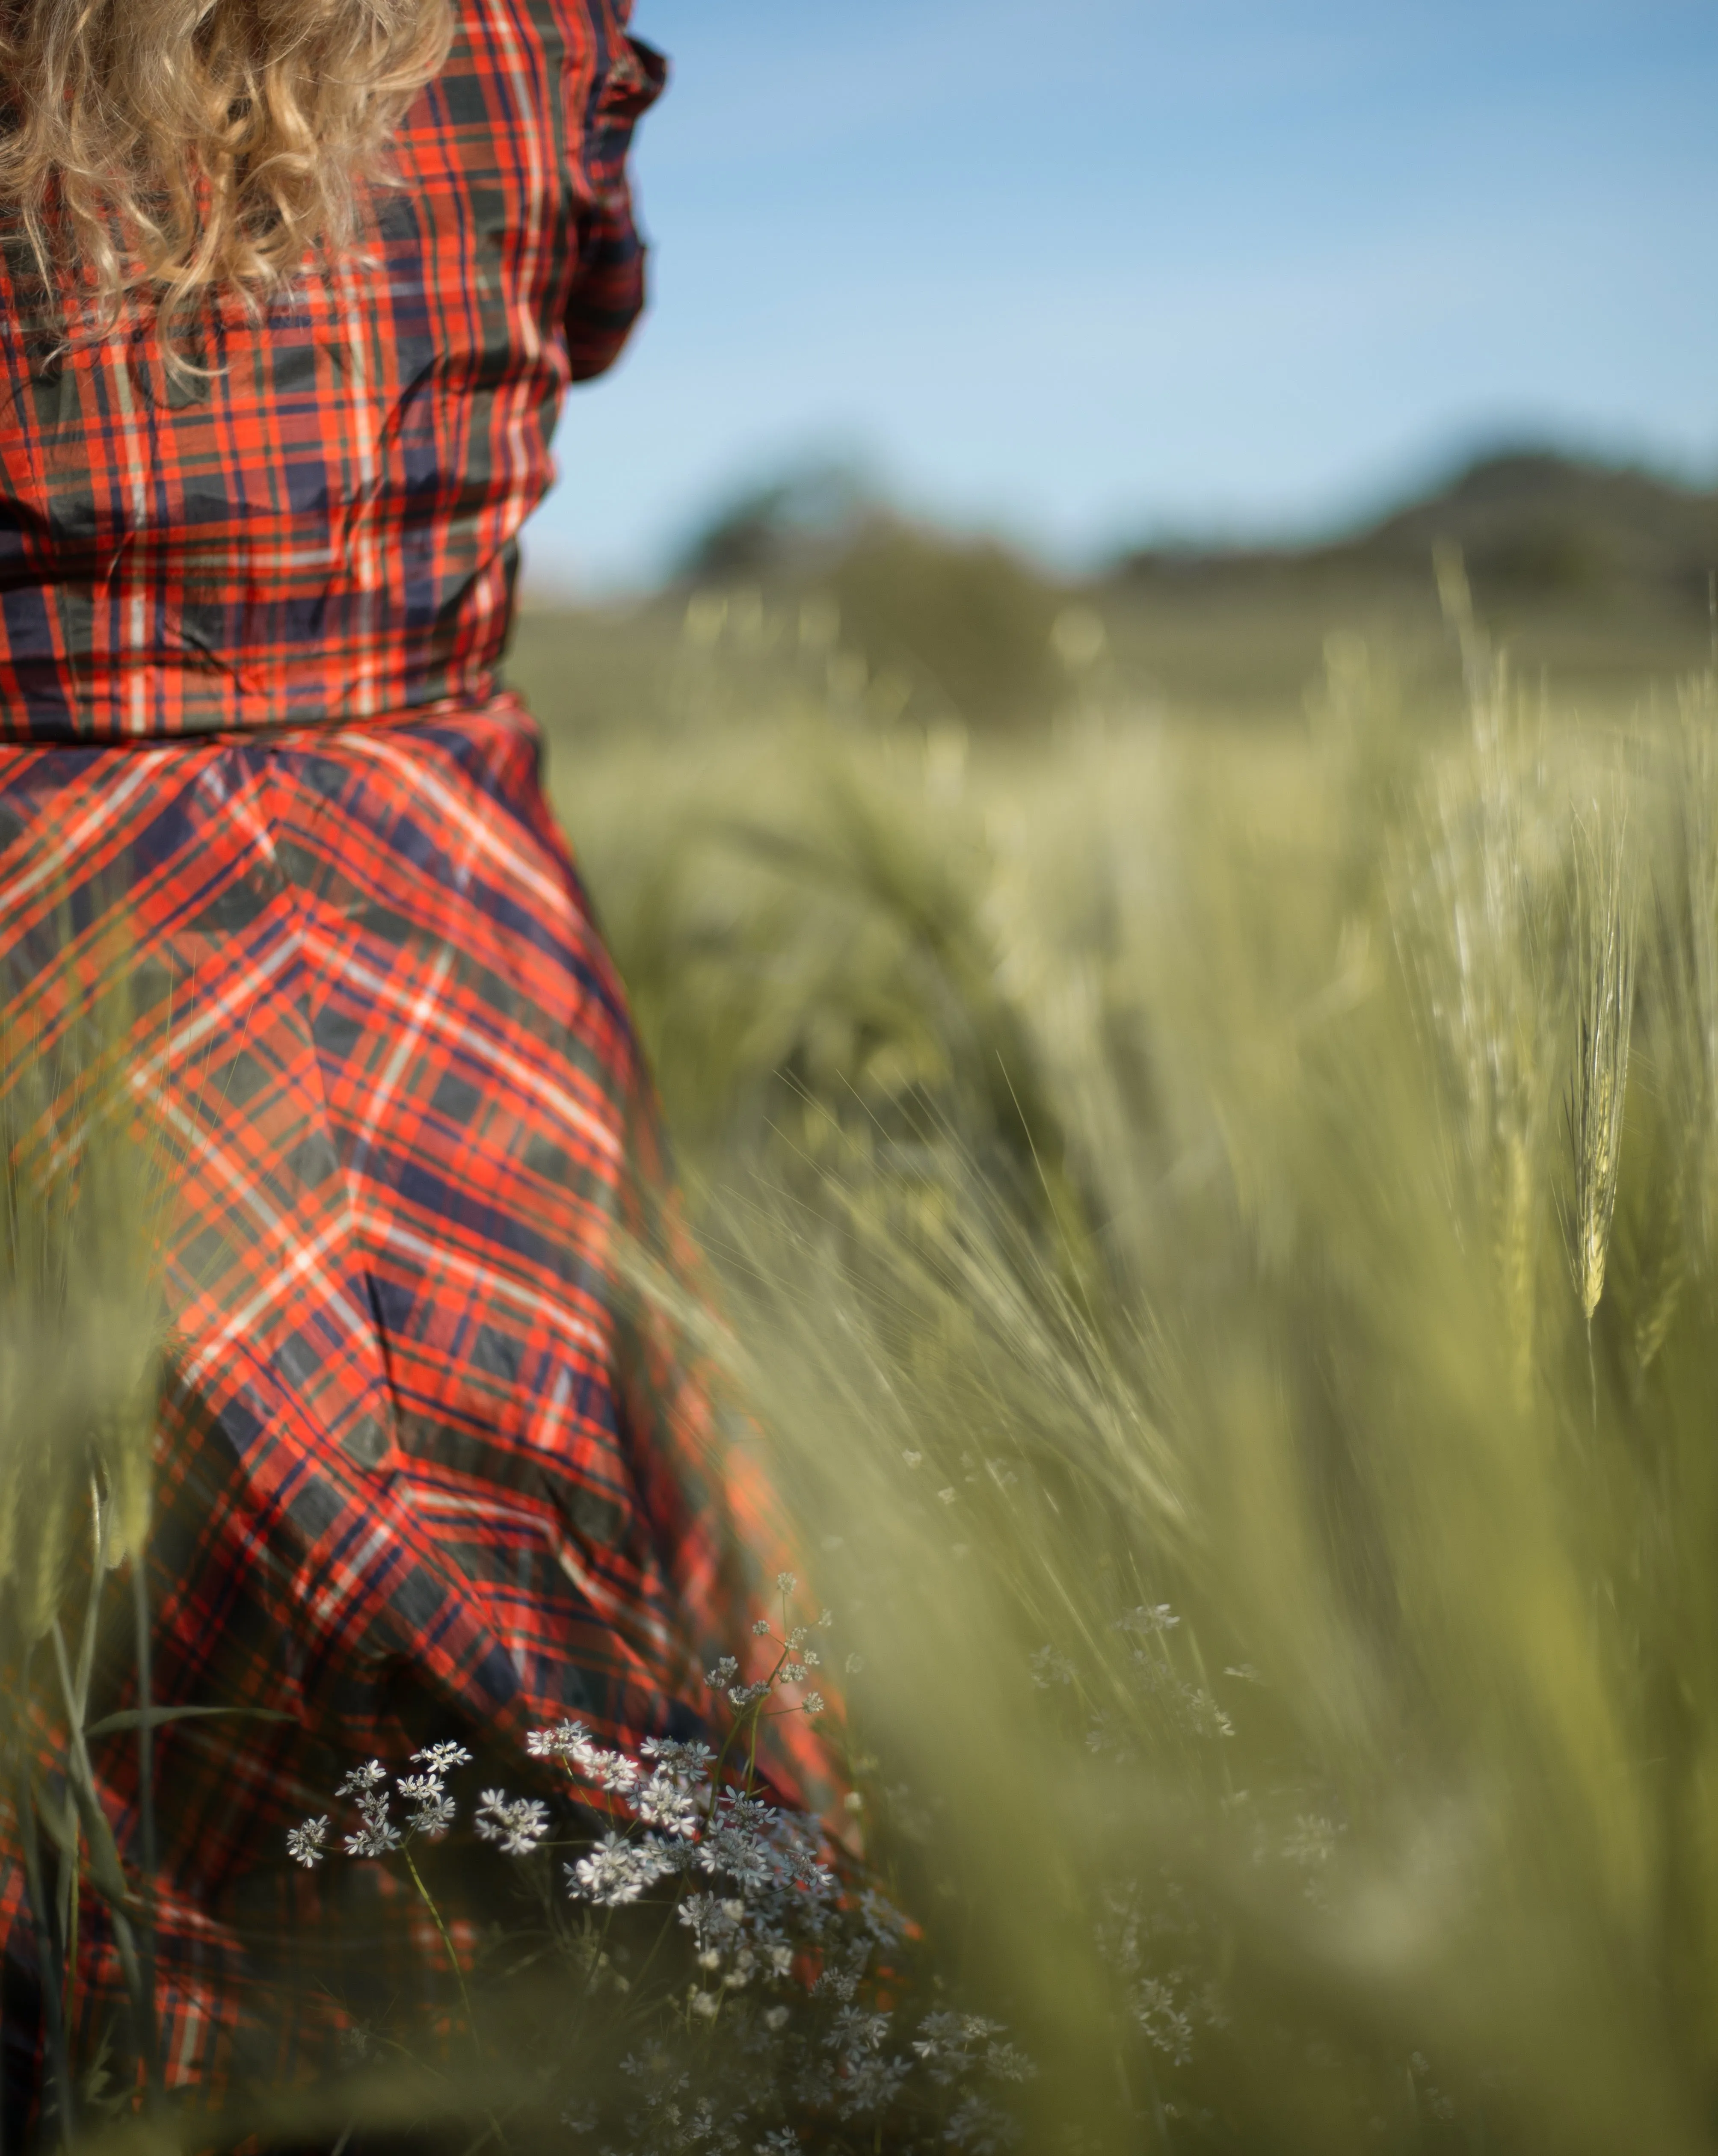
{"x": 501, "y": 707}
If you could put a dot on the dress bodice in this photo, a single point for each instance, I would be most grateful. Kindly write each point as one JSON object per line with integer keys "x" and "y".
{"x": 322, "y": 524}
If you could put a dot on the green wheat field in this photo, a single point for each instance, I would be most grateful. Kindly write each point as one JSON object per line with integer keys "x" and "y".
{"x": 1222, "y": 1222}
{"x": 1214, "y": 1216}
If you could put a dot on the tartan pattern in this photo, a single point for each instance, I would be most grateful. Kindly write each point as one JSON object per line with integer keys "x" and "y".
{"x": 420, "y": 1474}
{"x": 423, "y": 1470}
{"x": 324, "y": 524}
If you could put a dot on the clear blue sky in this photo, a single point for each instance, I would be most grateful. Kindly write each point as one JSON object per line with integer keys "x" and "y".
{"x": 1083, "y": 269}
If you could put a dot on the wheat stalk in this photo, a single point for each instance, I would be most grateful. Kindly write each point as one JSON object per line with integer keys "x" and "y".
{"x": 1606, "y": 957}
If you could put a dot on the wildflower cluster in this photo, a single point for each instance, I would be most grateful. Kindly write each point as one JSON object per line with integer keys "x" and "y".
{"x": 427, "y": 1810}
{"x": 1165, "y": 1947}
{"x": 750, "y": 1929}
{"x": 1147, "y": 1629}
{"x": 1192, "y": 1708}
{"x": 1160, "y": 1948}
{"x": 661, "y": 1798}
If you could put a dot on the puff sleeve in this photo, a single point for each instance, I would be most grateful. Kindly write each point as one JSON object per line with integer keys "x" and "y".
{"x": 607, "y": 294}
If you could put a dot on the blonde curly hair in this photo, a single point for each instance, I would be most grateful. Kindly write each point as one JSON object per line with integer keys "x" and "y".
{"x": 170, "y": 148}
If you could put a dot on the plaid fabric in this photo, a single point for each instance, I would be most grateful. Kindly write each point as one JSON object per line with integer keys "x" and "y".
{"x": 421, "y": 1474}
{"x": 324, "y": 524}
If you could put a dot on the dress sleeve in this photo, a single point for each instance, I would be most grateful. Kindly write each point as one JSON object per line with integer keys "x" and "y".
{"x": 609, "y": 282}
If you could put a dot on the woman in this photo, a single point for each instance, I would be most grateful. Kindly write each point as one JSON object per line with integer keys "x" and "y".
{"x": 291, "y": 293}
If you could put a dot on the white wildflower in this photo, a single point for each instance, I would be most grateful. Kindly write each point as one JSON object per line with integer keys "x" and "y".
{"x": 433, "y": 1819}
{"x": 760, "y": 1629}
{"x": 362, "y": 1780}
{"x": 786, "y": 1581}
{"x": 743, "y": 1862}
{"x": 855, "y": 1664}
{"x": 912, "y": 1458}
{"x": 1145, "y": 1620}
{"x": 1167, "y": 2027}
{"x": 775, "y": 2018}
{"x": 617, "y": 1871}
{"x": 949, "y": 2043}
{"x": 617, "y": 1773}
{"x": 814, "y": 1703}
{"x": 836, "y": 1983}
{"x": 517, "y": 1824}
{"x": 735, "y": 1846}
{"x": 881, "y": 1918}
{"x": 665, "y": 1802}
{"x": 307, "y": 1845}
{"x": 442, "y": 1758}
{"x": 1050, "y": 1668}
{"x": 687, "y": 1761}
{"x": 795, "y": 1843}
{"x": 565, "y": 1741}
{"x": 377, "y": 1837}
{"x": 826, "y": 1619}
{"x": 854, "y": 2032}
{"x": 1206, "y": 1717}
{"x": 947, "y": 1496}
{"x": 870, "y": 2084}
{"x": 704, "y": 2004}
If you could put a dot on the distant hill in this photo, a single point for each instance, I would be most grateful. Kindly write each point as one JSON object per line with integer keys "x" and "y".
{"x": 1532, "y": 526}
{"x": 1594, "y": 576}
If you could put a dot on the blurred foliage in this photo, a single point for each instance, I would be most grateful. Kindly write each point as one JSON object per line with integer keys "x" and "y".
{"x": 83, "y": 1191}
{"x": 1218, "y": 1225}
{"x": 1598, "y": 576}
{"x": 81, "y": 1324}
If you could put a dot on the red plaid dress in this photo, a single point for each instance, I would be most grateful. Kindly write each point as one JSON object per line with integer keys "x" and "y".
{"x": 419, "y": 1476}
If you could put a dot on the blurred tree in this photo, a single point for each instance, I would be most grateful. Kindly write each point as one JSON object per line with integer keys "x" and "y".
{"x": 962, "y": 624}
{"x": 966, "y": 622}
{"x": 777, "y": 530}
